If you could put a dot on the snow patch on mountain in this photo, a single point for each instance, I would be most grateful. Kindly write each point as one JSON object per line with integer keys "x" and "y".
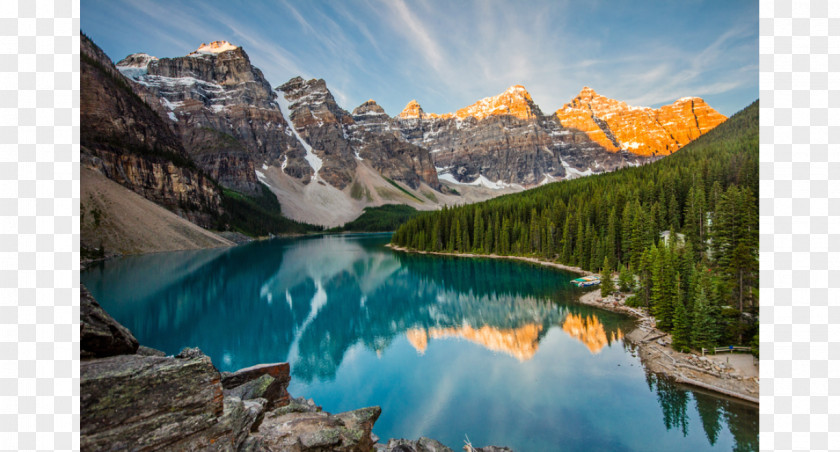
{"x": 214, "y": 47}
{"x": 314, "y": 161}
{"x": 261, "y": 178}
{"x": 480, "y": 181}
{"x": 572, "y": 171}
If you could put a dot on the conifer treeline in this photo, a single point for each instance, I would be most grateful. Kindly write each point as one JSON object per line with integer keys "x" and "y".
{"x": 698, "y": 281}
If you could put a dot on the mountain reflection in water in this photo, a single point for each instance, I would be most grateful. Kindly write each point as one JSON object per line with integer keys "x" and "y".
{"x": 590, "y": 331}
{"x": 362, "y": 325}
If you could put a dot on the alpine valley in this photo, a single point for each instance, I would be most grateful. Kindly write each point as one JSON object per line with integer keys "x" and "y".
{"x": 204, "y": 141}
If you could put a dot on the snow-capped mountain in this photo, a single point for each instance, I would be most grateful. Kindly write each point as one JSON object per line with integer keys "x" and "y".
{"x": 326, "y": 164}
{"x": 223, "y": 109}
{"x": 506, "y": 139}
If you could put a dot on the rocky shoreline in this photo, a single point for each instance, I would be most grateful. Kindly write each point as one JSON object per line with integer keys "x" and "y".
{"x": 137, "y": 398}
{"x": 713, "y": 373}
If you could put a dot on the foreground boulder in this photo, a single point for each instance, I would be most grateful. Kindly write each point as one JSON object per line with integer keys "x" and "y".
{"x": 273, "y": 390}
{"x": 149, "y": 402}
{"x": 302, "y": 426}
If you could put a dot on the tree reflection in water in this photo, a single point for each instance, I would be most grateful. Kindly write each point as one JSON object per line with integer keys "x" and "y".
{"x": 741, "y": 418}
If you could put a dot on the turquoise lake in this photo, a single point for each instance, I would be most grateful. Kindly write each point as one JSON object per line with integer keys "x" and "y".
{"x": 495, "y": 351}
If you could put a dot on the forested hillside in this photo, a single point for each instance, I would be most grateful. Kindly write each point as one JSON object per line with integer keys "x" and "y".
{"x": 703, "y": 286}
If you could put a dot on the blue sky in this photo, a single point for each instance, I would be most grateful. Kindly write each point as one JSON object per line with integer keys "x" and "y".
{"x": 448, "y": 54}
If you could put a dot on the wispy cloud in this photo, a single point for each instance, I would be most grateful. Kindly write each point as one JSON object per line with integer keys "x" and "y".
{"x": 449, "y": 54}
{"x": 412, "y": 28}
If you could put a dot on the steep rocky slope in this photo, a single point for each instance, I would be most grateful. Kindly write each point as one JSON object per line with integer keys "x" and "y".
{"x": 127, "y": 141}
{"x": 115, "y": 220}
{"x": 506, "y": 139}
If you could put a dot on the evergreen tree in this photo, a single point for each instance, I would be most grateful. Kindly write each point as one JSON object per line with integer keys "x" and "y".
{"x": 704, "y": 328}
{"x": 607, "y": 286}
{"x": 625, "y": 280}
{"x": 681, "y": 336}
{"x": 478, "y": 231}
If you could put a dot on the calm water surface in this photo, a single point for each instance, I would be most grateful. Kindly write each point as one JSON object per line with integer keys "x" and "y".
{"x": 496, "y": 351}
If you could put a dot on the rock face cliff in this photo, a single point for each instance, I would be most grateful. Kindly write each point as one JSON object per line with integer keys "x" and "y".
{"x": 639, "y": 130}
{"x": 223, "y": 110}
{"x": 506, "y": 139}
{"x": 123, "y": 138}
{"x": 339, "y": 140}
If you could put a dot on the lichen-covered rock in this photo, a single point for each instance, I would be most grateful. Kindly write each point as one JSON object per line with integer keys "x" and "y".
{"x": 148, "y": 351}
{"x": 149, "y": 402}
{"x": 100, "y": 334}
{"x": 305, "y": 430}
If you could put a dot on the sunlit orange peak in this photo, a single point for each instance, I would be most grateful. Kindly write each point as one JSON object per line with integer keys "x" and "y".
{"x": 588, "y": 330}
{"x": 412, "y": 111}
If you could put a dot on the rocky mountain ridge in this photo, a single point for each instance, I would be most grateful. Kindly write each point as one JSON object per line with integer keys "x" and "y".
{"x": 640, "y": 130}
{"x": 325, "y": 164}
{"x": 506, "y": 139}
{"x": 342, "y": 139}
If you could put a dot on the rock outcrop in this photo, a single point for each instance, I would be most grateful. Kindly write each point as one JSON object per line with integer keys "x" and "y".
{"x": 123, "y": 138}
{"x": 430, "y": 445}
{"x": 301, "y": 426}
{"x": 639, "y": 130}
{"x": 137, "y": 398}
{"x": 100, "y": 334}
{"x": 224, "y": 111}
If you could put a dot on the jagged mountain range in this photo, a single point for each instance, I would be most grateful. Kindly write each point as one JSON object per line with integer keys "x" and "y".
{"x": 325, "y": 164}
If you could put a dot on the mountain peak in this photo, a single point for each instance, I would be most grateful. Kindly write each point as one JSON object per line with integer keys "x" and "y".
{"x": 515, "y": 101}
{"x": 518, "y": 89}
{"x": 641, "y": 130}
{"x": 412, "y": 110}
{"x": 214, "y": 47}
{"x": 136, "y": 60}
{"x": 369, "y": 108}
